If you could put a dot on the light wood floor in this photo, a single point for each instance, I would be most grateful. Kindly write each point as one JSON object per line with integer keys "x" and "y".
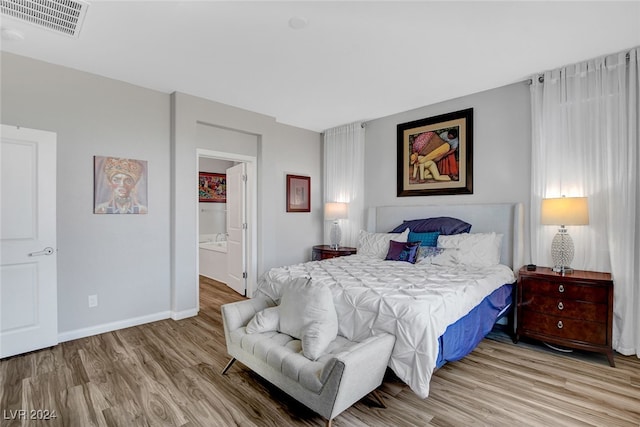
{"x": 167, "y": 373}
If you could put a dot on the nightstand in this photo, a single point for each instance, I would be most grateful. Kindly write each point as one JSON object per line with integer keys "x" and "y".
{"x": 574, "y": 310}
{"x": 321, "y": 252}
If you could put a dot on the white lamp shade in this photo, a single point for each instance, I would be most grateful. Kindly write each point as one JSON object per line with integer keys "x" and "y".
{"x": 564, "y": 211}
{"x": 335, "y": 210}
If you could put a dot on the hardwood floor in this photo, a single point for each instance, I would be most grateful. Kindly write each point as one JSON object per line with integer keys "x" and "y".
{"x": 167, "y": 373}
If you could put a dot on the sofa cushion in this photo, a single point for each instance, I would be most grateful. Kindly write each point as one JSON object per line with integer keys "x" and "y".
{"x": 306, "y": 312}
{"x": 265, "y": 321}
{"x": 284, "y": 354}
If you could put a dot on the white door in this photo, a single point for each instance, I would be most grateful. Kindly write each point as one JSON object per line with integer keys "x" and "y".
{"x": 28, "y": 283}
{"x": 236, "y": 228}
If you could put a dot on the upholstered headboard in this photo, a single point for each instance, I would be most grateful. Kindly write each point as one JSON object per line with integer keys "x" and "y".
{"x": 505, "y": 218}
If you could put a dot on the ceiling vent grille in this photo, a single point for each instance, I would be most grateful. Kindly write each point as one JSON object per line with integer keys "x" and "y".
{"x": 61, "y": 16}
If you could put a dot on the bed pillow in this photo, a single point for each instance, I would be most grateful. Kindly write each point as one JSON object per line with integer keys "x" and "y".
{"x": 437, "y": 256}
{"x": 403, "y": 251}
{"x": 443, "y": 224}
{"x": 307, "y": 313}
{"x": 425, "y": 239}
{"x": 475, "y": 249}
{"x": 377, "y": 244}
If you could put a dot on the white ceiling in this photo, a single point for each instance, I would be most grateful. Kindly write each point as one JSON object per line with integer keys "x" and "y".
{"x": 354, "y": 60}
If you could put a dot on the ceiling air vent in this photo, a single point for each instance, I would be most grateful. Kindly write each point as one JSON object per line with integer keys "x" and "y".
{"x": 61, "y": 16}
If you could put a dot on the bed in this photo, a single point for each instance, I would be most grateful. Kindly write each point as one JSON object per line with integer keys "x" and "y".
{"x": 437, "y": 311}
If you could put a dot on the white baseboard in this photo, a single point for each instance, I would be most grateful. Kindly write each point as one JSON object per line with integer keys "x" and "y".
{"x": 113, "y": 326}
{"x": 179, "y": 315}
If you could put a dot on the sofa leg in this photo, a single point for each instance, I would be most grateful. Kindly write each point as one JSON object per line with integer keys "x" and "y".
{"x": 226, "y": 368}
{"x": 378, "y": 398}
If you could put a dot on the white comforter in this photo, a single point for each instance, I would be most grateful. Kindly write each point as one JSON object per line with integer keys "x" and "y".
{"x": 415, "y": 302}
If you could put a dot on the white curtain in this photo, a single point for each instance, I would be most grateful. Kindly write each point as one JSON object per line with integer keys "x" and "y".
{"x": 344, "y": 177}
{"x": 585, "y": 143}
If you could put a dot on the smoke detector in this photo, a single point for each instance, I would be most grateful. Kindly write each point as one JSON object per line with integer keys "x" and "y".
{"x": 60, "y": 16}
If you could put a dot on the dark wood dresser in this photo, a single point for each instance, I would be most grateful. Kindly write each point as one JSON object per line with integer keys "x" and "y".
{"x": 321, "y": 252}
{"x": 574, "y": 310}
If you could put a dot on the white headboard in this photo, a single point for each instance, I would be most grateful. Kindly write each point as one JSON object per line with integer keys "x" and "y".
{"x": 505, "y": 218}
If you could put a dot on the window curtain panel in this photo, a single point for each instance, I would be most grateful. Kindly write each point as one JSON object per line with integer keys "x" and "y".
{"x": 585, "y": 143}
{"x": 344, "y": 177}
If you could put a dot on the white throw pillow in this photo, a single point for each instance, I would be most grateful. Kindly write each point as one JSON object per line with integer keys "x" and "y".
{"x": 377, "y": 244}
{"x": 437, "y": 256}
{"x": 474, "y": 249}
{"x": 307, "y": 312}
{"x": 266, "y": 320}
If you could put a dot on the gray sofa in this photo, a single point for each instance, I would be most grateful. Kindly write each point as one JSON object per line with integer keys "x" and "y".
{"x": 329, "y": 385}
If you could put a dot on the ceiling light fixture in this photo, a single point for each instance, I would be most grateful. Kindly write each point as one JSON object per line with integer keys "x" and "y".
{"x": 298, "y": 22}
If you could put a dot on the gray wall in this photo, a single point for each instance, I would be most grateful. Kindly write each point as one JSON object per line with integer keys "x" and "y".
{"x": 143, "y": 267}
{"x": 501, "y": 145}
{"x": 282, "y": 238}
{"x": 124, "y": 259}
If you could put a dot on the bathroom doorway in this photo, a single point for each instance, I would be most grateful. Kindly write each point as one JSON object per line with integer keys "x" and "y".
{"x": 212, "y": 219}
{"x": 229, "y": 261}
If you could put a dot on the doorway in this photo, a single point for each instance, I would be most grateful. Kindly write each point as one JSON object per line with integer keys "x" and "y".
{"x": 246, "y": 258}
{"x": 212, "y": 218}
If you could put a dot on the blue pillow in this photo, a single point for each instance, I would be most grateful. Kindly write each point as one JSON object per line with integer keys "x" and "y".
{"x": 403, "y": 251}
{"x": 443, "y": 224}
{"x": 426, "y": 239}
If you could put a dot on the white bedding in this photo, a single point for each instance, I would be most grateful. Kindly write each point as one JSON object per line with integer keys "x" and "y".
{"x": 415, "y": 302}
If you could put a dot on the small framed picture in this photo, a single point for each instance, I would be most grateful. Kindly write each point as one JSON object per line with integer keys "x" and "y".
{"x": 298, "y": 193}
{"x": 212, "y": 187}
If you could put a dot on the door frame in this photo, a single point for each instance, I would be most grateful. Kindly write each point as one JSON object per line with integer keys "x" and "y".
{"x": 251, "y": 252}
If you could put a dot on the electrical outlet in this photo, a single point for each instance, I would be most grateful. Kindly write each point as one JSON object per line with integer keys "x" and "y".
{"x": 93, "y": 300}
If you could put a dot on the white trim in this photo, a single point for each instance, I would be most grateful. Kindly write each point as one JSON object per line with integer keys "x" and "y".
{"x": 221, "y": 155}
{"x": 184, "y": 314}
{"x": 113, "y": 326}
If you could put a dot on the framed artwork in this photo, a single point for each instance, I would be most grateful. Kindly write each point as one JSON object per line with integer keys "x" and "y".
{"x": 212, "y": 187}
{"x": 119, "y": 185}
{"x": 298, "y": 193}
{"x": 435, "y": 155}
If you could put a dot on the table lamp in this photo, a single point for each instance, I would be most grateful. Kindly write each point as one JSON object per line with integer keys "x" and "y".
{"x": 334, "y": 211}
{"x": 564, "y": 211}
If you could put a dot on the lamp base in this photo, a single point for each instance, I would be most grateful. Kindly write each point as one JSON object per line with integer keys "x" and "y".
{"x": 335, "y": 234}
{"x": 563, "y": 270}
{"x": 562, "y": 250}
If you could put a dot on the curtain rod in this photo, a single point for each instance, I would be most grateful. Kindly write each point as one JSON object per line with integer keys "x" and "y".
{"x": 627, "y": 57}
{"x": 362, "y": 125}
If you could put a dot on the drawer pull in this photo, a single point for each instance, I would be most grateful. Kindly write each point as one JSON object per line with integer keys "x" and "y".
{"x": 561, "y": 288}
{"x": 560, "y": 305}
{"x": 560, "y": 324}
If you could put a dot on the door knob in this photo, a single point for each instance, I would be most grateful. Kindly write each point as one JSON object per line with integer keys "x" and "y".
{"x": 45, "y": 251}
